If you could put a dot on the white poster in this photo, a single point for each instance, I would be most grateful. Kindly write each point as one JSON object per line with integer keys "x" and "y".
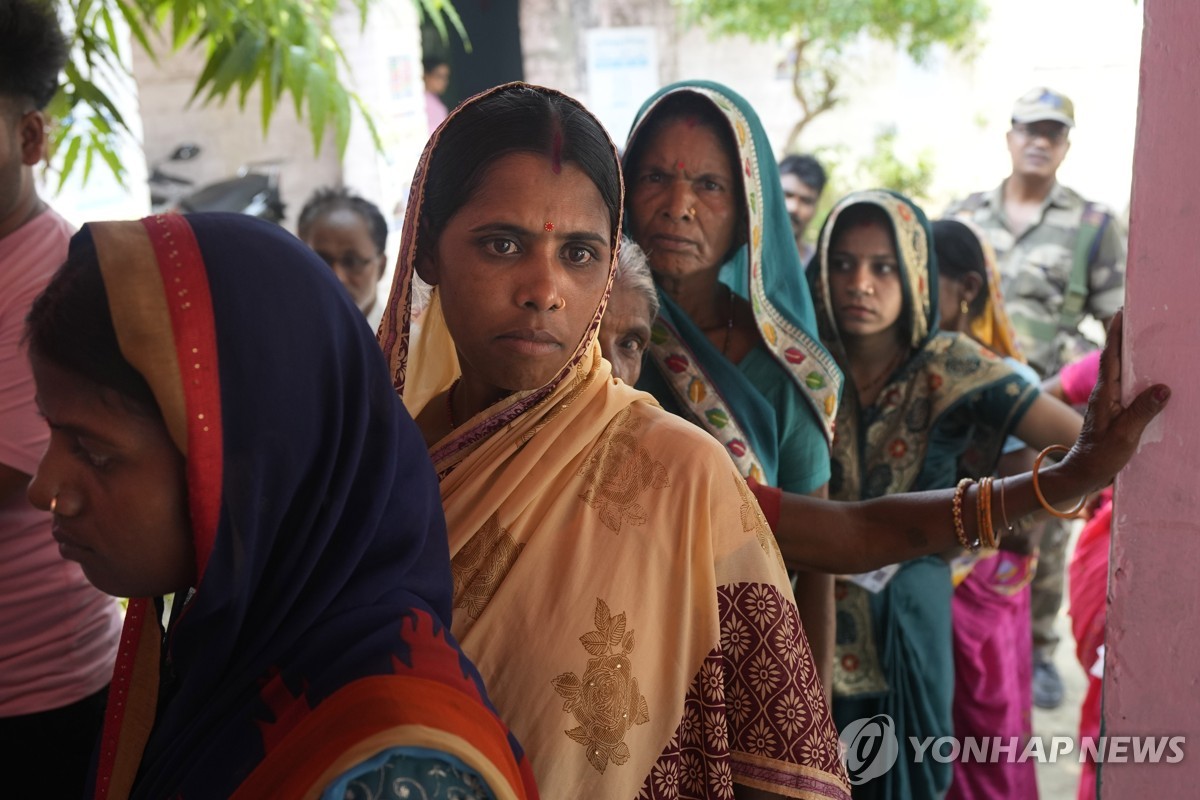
{"x": 622, "y": 71}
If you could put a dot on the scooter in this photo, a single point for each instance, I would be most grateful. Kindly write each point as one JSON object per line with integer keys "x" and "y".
{"x": 254, "y": 190}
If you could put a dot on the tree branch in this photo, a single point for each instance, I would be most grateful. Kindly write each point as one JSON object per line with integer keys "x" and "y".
{"x": 826, "y": 98}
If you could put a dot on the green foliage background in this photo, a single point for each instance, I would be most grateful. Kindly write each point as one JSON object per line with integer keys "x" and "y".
{"x": 284, "y": 47}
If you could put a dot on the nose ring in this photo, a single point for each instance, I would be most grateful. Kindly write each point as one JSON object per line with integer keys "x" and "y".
{"x": 692, "y": 211}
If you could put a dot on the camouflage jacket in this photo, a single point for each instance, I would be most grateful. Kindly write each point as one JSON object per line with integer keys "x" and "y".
{"x": 1035, "y": 268}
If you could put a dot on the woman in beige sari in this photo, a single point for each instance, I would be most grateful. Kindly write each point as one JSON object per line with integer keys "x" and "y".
{"x": 615, "y": 581}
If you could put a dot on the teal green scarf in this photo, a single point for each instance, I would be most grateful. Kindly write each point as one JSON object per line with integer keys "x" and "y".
{"x": 767, "y": 272}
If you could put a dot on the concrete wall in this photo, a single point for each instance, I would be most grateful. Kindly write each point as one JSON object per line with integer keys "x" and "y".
{"x": 955, "y": 108}
{"x": 227, "y": 137}
{"x": 1152, "y": 669}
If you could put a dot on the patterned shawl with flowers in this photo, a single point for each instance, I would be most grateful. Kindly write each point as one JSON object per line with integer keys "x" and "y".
{"x": 315, "y": 636}
{"x": 766, "y": 271}
{"x": 888, "y": 448}
{"x": 894, "y": 647}
{"x": 614, "y": 580}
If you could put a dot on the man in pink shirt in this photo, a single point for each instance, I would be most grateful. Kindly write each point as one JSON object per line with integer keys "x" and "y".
{"x": 58, "y": 634}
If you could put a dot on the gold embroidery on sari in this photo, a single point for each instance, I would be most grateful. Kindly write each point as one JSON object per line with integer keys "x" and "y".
{"x": 618, "y": 471}
{"x": 897, "y": 439}
{"x": 481, "y": 565}
{"x": 605, "y": 701}
{"x": 580, "y": 380}
{"x": 753, "y": 520}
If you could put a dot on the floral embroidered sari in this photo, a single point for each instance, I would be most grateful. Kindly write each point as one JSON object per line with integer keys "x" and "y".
{"x": 894, "y": 647}
{"x": 315, "y": 638}
{"x": 614, "y": 579}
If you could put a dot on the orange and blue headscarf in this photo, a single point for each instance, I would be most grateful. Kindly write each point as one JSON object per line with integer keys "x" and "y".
{"x": 323, "y": 567}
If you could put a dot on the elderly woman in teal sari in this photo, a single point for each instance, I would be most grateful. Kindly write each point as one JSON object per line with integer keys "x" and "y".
{"x": 735, "y": 346}
{"x": 915, "y": 400}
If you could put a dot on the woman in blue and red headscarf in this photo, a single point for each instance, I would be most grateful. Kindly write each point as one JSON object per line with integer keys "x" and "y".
{"x": 239, "y": 449}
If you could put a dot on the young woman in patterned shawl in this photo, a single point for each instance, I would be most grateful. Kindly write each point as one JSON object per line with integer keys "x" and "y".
{"x": 915, "y": 400}
{"x": 259, "y": 468}
{"x": 614, "y": 579}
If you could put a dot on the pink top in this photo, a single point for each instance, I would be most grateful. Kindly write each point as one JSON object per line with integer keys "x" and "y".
{"x": 1079, "y": 378}
{"x": 435, "y": 109}
{"x": 58, "y": 634}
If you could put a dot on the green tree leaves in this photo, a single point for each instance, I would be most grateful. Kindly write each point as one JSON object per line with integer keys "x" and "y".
{"x": 819, "y": 30}
{"x": 281, "y": 47}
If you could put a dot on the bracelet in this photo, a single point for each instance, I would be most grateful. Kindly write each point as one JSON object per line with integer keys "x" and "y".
{"x": 1004, "y": 511}
{"x": 987, "y": 530}
{"x": 1038, "y": 490}
{"x": 956, "y": 507}
{"x": 979, "y": 511}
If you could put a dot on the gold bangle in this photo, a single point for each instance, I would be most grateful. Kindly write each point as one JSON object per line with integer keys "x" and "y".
{"x": 1003, "y": 510}
{"x": 979, "y": 510}
{"x": 1037, "y": 490}
{"x": 986, "y": 530}
{"x": 956, "y": 507}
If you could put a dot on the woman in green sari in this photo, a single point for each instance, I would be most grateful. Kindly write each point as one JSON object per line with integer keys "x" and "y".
{"x": 735, "y": 346}
{"x": 915, "y": 400}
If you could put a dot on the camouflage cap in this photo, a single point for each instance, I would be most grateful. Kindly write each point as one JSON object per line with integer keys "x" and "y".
{"x": 1041, "y": 104}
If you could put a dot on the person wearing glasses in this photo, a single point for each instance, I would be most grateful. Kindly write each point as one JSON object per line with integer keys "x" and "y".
{"x": 349, "y": 233}
{"x": 1061, "y": 257}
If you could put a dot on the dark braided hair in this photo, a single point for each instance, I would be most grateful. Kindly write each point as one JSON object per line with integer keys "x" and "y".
{"x": 33, "y": 50}
{"x": 328, "y": 199}
{"x": 959, "y": 253}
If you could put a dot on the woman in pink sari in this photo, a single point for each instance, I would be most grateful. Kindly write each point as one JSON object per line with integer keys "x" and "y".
{"x": 1088, "y": 572}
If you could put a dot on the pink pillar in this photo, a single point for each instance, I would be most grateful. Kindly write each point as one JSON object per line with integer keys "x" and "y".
{"x": 1152, "y": 670}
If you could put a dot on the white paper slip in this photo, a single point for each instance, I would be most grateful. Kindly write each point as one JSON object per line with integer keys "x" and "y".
{"x": 875, "y": 580}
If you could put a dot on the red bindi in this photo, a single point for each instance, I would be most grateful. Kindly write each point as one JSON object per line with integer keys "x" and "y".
{"x": 679, "y": 166}
{"x": 549, "y": 226}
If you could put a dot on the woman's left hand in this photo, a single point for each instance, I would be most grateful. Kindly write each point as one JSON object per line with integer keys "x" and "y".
{"x": 1111, "y": 432}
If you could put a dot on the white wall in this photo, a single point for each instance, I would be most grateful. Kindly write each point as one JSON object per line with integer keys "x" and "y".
{"x": 1088, "y": 49}
{"x": 103, "y": 197}
{"x": 385, "y": 69}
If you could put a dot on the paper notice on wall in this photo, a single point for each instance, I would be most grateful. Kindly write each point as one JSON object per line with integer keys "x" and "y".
{"x": 622, "y": 71}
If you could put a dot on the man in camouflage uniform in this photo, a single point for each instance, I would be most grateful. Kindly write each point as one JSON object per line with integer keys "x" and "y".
{"x": 1060, "y": 257}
